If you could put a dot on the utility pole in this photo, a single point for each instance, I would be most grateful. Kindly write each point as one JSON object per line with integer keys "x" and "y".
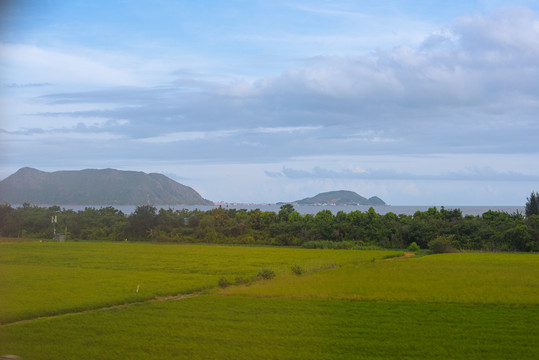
{"x": 54, "y": 220}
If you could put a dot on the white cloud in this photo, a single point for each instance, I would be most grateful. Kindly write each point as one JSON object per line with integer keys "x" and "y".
{"x": 468, "y": 174}
{"x": 59, "y": 137}
{"x": 243, "y": 134}
{"x": 504, "y": 36}
{"x": 286, "y": 129}
{"x": 188, "y": 136}
{"x": 484, "y": 59}
{"x": 32, "y": 64}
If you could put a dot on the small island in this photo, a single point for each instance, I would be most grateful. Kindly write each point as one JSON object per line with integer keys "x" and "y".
{"x": 341, "y": 197}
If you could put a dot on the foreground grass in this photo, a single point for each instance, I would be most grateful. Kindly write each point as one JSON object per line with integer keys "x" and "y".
{"x": 218, "y": 327}
{"x": 39, "y": 279}
{"x": 452, "y": 306}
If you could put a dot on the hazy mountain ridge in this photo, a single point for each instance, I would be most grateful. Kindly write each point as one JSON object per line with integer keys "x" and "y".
{"x": 341, "y": 197}
{"x": 95, "y": 187}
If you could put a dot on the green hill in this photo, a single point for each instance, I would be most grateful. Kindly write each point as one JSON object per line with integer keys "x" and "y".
{"x": 95, "y": 187}
{"x": 342, "y": 197}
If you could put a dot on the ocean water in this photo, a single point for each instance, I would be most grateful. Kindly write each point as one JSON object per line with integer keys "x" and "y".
{"x": 314, "y": 209}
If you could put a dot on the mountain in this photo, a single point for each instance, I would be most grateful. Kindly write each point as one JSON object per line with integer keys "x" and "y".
{"x": 342, "y": 197}
{"x": 95, "y": 187}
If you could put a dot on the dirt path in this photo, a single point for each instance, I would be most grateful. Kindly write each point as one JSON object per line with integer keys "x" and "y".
{"x": 106, "y": 308}
{"x": 406, "y": 255}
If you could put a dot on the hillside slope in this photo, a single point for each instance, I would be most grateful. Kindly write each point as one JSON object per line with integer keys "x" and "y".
{"x": 95, "y": 187}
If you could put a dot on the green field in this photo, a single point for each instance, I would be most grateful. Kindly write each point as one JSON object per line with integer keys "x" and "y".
{"x": 469, "y": 278}
{"x": 344, "y": 305}
{"x": 38, "y": 279}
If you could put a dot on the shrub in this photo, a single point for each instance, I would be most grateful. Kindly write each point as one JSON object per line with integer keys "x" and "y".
{"x": 224, "y": 282}
{"x": 344, "y": 245}
{"x": 413, "y": 247}
{"x": 442, "y": 244}
{"x": 327, "y": 244}
{"x": 266, "y": 274}
{"x": 296, "y": 269}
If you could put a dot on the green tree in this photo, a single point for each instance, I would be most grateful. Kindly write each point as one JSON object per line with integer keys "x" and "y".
{"x": 285, "y": 211}
{"x": 142, "y": 220}
{"x": 324, "y": 224}
{"x": 8, "y": 221}
{"x": 518, "y": 238}
{"x": 532, "y": 205}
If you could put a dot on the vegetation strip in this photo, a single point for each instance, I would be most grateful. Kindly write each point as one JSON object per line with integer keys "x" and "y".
{"x": 440, "y": 230}
{"x": 106, "y": 308}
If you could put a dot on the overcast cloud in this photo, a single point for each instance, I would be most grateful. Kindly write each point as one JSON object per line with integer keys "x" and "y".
{"x": 276, "y": 101}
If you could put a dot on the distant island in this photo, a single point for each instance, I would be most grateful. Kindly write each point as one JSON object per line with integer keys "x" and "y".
{"x": 95, "y": 187}
{"x": 341, "y": 197}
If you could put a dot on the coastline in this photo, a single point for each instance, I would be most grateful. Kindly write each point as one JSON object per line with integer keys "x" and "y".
{"x": 311, "y": 209}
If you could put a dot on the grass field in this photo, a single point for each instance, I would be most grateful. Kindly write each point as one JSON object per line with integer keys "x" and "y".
{"x": 454, "y": 306}
{"x": 218, "y": 327}
{"x": 468, "y": 278}
{"x": 38, "y": 279}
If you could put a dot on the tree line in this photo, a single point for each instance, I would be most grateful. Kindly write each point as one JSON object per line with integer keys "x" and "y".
{"x": 491, "y": 231}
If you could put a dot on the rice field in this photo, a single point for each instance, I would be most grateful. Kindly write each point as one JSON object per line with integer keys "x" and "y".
{"x": 39, "y": 279}
{"x": 226, "y": 327}
{"x": 345, "y": 303}
{"x": 469, "y": 278}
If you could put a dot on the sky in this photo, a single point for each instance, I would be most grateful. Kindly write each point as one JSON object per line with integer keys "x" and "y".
{"x": 416, "y": 102}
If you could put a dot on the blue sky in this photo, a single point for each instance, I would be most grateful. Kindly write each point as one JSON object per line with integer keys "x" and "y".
{"x": 417, "y": 102}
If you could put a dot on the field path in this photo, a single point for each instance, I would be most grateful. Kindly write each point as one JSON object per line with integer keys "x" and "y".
{"x": 106, "y": 308}
{"x": 406, "y": 255}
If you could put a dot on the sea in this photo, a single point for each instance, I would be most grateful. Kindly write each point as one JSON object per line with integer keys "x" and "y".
{"x": 314, "y": 209}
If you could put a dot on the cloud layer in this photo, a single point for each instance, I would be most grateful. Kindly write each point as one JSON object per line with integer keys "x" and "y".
{"x": 469, "y": 174}
{"x": 467, "y": 88}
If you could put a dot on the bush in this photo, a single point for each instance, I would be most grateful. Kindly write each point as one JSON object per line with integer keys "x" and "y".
{"x": 442, "y": 244}
{"x": 327, "y": 244}
{"x": 266, "y": 274}
{"x": 296, "y": 269}
{"x": 224, "y": 282}
{"x": 413, "y": 247}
